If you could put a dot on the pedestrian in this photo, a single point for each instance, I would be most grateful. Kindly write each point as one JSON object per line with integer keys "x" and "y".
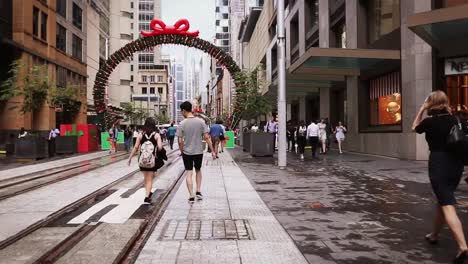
{"x": 340, "y": 135}
{"x": 290, "y": 132}
{"x": 254, "y": 128}
{"x": 148, "y": 144}
{"x": 171, "y": 132}
{"x": 216, "y": 131}
{"x": 301, "y": 135}
{"x": 323, "y": 136}
{"x": 135, "y": 135}
{"x": 23, "y": 133}
{"x": 54, "y": 133}
{"x": 113, "y": 136}
{"x": 445, "y": 168}
{"x": 163, "y": 132}
{"x": 127, "y": 137}
{"x": 329, "y": 131}
{"x": 222, "y": 137}
{"x": 190, "y": 133}
{"x": 272, "y": 127}
{"x": 313, "y": 137}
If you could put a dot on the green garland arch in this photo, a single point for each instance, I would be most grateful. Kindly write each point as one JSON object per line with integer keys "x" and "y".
{"x": 101, "y": 82}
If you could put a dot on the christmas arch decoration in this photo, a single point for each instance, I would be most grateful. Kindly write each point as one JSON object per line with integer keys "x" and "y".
{"x": 177, "y": 34}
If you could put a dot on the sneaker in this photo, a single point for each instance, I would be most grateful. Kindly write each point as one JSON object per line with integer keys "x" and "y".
{"x": 147, "y": 200}
{"x": 199, "y": 196}
{"x": 151, "y": 194}
{"x": 191, "y": 200}
{"x": 302, "y": 156}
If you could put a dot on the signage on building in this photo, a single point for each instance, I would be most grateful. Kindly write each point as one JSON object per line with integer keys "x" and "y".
{"x": 456, "y": 66}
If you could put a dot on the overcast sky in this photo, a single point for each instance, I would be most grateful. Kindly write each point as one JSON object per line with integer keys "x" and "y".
{"x": 201, "y": 15}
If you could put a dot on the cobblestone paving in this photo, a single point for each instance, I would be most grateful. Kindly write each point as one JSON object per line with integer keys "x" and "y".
{"x": 353, "y": 208}
{"x": 215, "y": 230}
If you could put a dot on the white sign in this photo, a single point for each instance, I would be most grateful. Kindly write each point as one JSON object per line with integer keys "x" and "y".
{"x": 456, "y": 66}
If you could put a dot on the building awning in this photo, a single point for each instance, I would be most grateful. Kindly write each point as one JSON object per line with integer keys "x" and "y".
{"x": 344, "y": 62}
{"x": 441, "y": 27}
{"x": 250, "y": 23}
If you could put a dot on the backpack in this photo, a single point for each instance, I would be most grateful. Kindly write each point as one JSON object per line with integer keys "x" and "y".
{"x": 147, "y": 153}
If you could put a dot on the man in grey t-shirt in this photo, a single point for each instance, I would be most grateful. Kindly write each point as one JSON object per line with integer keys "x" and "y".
{"x": 190, "y": 133}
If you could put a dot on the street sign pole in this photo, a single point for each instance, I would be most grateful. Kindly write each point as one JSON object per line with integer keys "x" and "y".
{"x": 282, "y": 144}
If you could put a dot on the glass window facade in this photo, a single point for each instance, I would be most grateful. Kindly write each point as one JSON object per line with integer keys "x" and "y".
{"x": 383, "y": 18}
{"x": 62, "y": 8}
{"x": 61, "y": 38}
{"x": 77, "y": 47}
{"x": 77, "y": 16}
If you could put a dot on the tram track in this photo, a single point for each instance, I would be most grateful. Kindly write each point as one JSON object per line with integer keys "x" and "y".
{"x": 26, "y": 183}
{"x": 136, "y": 242}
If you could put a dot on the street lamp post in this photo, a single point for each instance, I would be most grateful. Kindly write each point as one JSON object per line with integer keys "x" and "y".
{"x": 282, "y": 159}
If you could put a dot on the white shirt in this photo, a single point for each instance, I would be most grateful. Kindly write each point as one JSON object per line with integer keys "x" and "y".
{"x": 135, "y": 134}
{"x": 313, "y": 130}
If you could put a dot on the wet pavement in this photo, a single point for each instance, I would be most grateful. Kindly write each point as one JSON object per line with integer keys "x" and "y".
{"x": 353, "y": 208}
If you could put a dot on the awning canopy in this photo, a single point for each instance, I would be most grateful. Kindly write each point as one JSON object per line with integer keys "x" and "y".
{"x": 441, "y": 28}
{"x": 343, "y": 62}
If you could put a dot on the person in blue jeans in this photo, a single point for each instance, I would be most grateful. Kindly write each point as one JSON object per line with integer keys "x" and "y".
{"x": 171, "y": 132}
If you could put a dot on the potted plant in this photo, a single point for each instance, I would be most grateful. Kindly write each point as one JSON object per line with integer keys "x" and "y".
{"x": 32, "y": 86}
{"x": 67, "y": 100}
{"x": 250, "y": 104}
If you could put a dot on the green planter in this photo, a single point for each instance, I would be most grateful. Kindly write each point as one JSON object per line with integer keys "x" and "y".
{"x": 31, "y": 147}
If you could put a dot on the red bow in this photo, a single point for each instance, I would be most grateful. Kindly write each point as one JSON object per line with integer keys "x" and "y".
{"x": 179, "y": 28}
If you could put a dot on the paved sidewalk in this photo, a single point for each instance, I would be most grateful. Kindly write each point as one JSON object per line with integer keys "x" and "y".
{"x": 24, "y": 170}
{"x": 354, "y": 208}
{"x": 19, "y": 212}
{"x": 231, "y": 225}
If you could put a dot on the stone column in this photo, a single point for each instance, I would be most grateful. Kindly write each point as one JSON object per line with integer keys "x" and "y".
{"x": 416, "y": 77}
{"x": 351, "y": 24}
{"x": 324, "y": 24}
{"x": 302, "y": 108}
{"x": 352, "y": 104}
{"x": 324, "y": 102}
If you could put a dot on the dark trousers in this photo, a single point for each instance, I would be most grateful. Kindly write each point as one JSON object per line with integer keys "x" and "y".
{"x": 301, "y": 143}
{"x": 52, "y": 147}
{"x": 313, "y": 141}
{"x": 171, "y": 141}
{"x": 291, "y": 143}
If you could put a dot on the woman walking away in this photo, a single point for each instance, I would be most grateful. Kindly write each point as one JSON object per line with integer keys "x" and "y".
{"x": 301, "y": 138}
{"x": 445, "y": 169}
{"x": 323, "y": 136}
{"x": 148, "y": 143}
{"x": 340, "y": 137}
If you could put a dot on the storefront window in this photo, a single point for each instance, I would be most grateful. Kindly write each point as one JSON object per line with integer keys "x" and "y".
{"x": 449, "y": 3}
{"x": 384, "y": 17}
{"x": 385, "y": 100}
{"x": 457, "y": 91}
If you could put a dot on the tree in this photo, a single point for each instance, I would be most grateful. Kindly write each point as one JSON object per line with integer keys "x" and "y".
{"x": 33, "y": 87}
{"x": 250, "y": 103}
{"x": 162, "y": 119}
{"x": 66, "y": 98}
{"x": 135, "y": 115}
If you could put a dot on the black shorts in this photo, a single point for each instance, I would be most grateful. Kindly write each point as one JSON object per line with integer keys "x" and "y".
{"x": 191, "y": 160}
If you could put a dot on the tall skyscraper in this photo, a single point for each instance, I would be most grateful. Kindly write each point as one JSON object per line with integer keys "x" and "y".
{"x": 222, "y": 38}
{"x": 179, "y": 87}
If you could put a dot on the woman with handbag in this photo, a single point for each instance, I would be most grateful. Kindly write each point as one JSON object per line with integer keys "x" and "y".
{"x": 445, "y": 167}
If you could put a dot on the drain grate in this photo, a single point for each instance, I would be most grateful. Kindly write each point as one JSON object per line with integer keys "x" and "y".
{"x": 225, "y": 229}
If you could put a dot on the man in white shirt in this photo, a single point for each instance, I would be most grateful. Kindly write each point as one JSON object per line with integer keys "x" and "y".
{"x": 313, "y": 137}
{"x": 272, "y": 127}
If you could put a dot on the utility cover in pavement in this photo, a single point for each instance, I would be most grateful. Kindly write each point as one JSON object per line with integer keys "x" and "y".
{"x": 228, "y": 229}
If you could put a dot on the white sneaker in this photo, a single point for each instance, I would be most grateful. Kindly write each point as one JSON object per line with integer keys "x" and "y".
{"x": 302, "y": 156}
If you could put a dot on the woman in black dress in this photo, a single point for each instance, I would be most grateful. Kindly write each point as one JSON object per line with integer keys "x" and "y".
{"x": 150, "y": 133}
{"x": 445, "y": 168}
